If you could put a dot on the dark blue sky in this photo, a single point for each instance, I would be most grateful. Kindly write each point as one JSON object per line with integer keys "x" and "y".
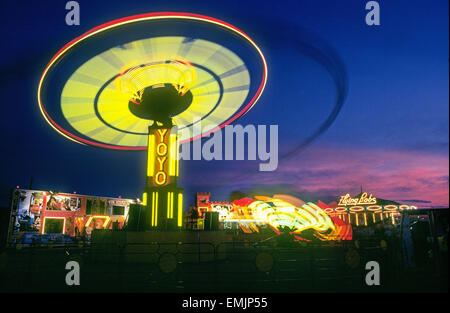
{"x": 390, "y": 136}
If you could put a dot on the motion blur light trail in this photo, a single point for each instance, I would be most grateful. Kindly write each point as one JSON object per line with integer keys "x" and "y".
{"x": 307, "y": 46}
{"x": 86, "y": 89}
{"x": 280, "y": 214}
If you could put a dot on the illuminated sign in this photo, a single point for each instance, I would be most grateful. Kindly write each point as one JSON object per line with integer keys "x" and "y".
{"x": 363, "y": 200}
{"x": 218, "y": 207}
{"x": 118, "y": 202}
{"x": 162, "y": 148}
{"x": 106, "y": 218}
{"x": 162, "y": 161}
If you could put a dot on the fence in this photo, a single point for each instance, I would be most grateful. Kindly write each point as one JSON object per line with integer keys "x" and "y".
{"x": 195, "y": 267}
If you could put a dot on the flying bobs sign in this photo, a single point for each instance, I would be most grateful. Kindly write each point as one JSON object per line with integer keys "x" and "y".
{"x": 162, "y": 149}
{"x": 363, "y": 200}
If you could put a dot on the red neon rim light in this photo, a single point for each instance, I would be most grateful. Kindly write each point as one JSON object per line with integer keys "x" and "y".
{"x": 137, "y": 18}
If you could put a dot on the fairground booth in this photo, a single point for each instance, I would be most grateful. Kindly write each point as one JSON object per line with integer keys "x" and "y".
{"x": 36, "y": 212}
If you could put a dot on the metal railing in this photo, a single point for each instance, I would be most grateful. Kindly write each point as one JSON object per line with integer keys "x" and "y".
{"x": 201, "y": 267}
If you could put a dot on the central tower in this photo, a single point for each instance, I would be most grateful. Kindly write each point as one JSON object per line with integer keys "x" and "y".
{"x": 162, "y": 198}
{"x": 158, "y": 103}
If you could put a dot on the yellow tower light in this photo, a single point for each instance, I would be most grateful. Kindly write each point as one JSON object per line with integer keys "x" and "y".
{"x": 180, "y": 210}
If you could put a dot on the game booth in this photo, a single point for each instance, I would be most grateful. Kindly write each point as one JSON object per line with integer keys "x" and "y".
{"x": 43, "y": 216}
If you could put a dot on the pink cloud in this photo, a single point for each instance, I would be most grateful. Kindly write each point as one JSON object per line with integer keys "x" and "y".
{"x": 415, "y": 178}
{"x": 394, "y": 175}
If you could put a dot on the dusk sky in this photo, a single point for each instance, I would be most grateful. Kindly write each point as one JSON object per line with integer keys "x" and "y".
{"x": 391, "y": 135}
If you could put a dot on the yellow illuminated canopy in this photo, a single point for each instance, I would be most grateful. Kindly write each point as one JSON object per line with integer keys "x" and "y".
{"x": 93, "y": 102}
{"x": 95, "y": 79}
